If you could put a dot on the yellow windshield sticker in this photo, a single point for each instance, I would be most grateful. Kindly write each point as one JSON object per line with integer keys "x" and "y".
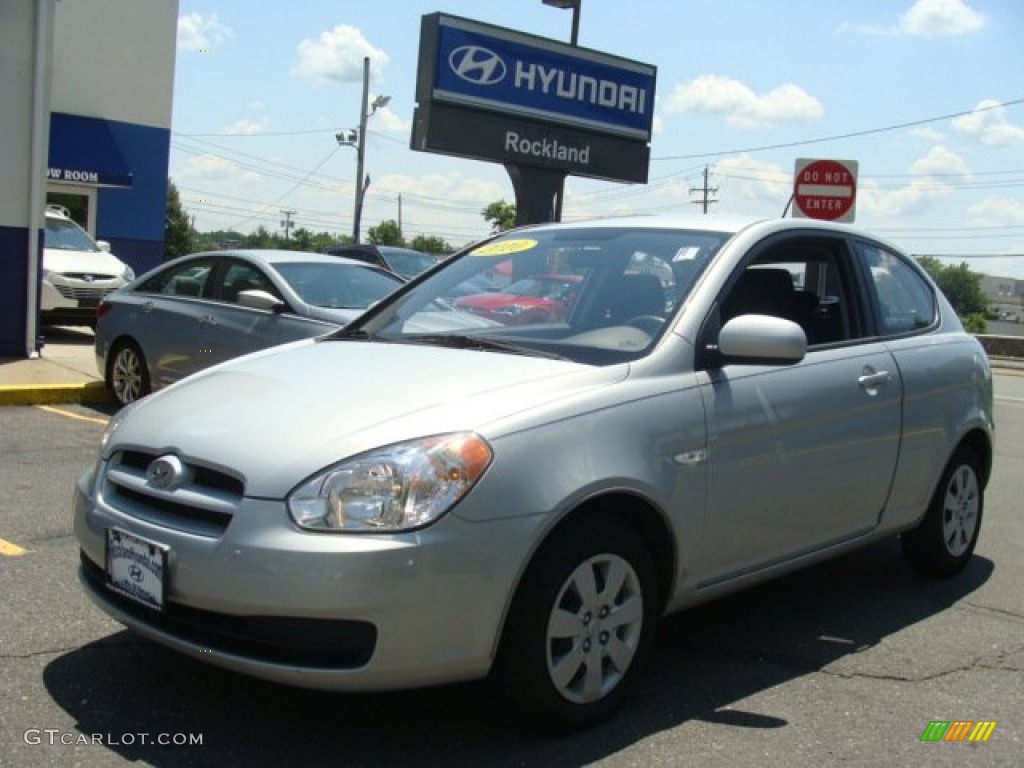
{"x": 505, "y": 247}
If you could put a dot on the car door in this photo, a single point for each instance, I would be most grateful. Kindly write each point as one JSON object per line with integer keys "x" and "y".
{"x": 801, "y": 456}
{"x": 166, "y": 319}
{"x": 230, "y": 328}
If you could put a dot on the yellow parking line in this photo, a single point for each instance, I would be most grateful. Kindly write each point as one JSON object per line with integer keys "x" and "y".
{"x": 70, "y": 415}
{"x": 11, "y": 550}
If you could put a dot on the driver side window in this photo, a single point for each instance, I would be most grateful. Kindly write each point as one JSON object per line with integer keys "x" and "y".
{"x": 803, "y": 280}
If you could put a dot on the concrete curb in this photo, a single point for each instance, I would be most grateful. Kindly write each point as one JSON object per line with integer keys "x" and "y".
{"x": 56, "y": 394}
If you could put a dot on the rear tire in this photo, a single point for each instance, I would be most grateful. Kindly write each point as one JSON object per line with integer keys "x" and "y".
{"x": 944, "y": 540}
{"x": 580, "y": 627}
{"x": 128, "y": 375}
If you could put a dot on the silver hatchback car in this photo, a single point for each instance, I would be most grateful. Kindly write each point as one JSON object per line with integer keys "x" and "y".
{"x": 384, "y": 507}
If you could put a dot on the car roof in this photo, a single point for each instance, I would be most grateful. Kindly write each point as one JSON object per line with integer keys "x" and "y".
{"x": 274, "y": 256}
{"x": 705, "y": 223}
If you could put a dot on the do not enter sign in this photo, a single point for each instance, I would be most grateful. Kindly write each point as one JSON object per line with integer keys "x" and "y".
{"x": 825, "y": 189}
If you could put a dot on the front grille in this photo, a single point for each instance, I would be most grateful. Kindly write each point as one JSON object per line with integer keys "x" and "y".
{"x": 311, "y": 643}
{"x": 204, "y": 506}
{"x": 82, "y": 292}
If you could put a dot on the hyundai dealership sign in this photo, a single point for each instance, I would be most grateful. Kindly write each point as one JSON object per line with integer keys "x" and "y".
{"x": 501, "y": 95}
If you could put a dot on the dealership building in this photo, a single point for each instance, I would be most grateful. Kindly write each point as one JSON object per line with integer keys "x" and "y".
{"x": 87, "y": 88}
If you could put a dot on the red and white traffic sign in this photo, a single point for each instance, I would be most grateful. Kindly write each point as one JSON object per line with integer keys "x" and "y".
{"x": 825, "y": 189}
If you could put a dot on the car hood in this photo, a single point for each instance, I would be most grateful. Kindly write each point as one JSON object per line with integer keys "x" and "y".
{"x": 89, "y": 262}
{"x": 280, "y": 415}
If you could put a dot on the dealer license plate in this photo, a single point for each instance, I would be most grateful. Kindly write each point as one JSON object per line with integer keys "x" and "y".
{"x": 136, "y": 567}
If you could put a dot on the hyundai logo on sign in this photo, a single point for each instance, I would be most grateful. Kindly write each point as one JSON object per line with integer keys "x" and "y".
{"x": 501, "y": 70}
{"x": 477, "y": 65}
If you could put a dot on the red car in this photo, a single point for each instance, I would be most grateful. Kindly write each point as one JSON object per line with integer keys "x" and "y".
{"x": 537, "y": 299}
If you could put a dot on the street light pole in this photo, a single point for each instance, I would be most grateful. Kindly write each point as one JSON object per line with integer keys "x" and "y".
{"x": 575, "y": 6}
{"x": 559, "y": 184}
{"x": 361, "y": 151}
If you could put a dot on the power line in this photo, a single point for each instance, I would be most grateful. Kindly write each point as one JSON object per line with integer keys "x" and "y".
{"x": 851, "y": 135}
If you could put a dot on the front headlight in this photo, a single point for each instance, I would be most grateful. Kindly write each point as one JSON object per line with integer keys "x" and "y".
{"x": 395, "y": 488}
{"x": 129, "y": 274}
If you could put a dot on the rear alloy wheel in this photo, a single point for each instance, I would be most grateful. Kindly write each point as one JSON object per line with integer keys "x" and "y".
{"x": 944, "y": 540}
{"x": 580, "y": 627}
{"x": 128, "y": 378}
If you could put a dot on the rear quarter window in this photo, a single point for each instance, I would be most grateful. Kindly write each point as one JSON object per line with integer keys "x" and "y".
{"x": 904, "y": 299}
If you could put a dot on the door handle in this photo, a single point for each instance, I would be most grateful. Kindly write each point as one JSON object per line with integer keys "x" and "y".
{"x": 207, "y": 320}
{"x": 147, "y": 306}
{"x": 870, "y": 379}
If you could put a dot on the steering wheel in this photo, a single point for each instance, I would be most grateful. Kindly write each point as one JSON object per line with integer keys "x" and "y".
{"x": 649, "y": 324}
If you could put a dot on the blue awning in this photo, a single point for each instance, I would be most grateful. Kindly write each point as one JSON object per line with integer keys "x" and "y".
{"x": 84, "y": 150}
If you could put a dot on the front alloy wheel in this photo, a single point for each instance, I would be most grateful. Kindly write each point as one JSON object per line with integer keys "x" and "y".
{"x": 580, "y": 626}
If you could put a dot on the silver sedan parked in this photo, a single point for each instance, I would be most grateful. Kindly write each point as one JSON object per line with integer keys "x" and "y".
{"x": 203, "y": 309}
{"x": 384, "y": 507}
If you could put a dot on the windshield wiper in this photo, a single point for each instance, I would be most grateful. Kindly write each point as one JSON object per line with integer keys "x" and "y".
{"x": 460, "y": 341}
{"x": 348, "y": 334}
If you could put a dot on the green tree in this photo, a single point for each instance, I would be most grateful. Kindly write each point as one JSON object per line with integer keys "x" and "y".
{"x": 386, "y": 233}
{"x": 960, "y": 285}
{"x": 431, "y": 244}
{"x": 178, "y": 235}
{"x": 261, "y": 238}
{"x": 500, "y": 215}
{"x": 301, "y": 240}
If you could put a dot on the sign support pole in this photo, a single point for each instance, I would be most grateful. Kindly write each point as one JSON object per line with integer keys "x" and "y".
{"x": 538, "y": 193}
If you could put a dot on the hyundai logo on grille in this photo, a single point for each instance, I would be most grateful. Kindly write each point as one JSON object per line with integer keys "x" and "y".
{"x": 477, "y": 65}
{"x": 168, "y": 473}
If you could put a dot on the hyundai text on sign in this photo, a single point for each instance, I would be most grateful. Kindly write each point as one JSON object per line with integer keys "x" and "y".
{"x": 825, "y": 189}
{"x": 502, "y": 70}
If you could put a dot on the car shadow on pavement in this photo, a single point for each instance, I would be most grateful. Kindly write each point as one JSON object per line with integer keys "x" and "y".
{"x": 72, "y": 335}
{"x": 707, "y": 660}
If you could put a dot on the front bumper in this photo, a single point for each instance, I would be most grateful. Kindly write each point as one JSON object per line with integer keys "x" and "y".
{"x": 339, "y": 612}
{"x": 72, "y": 300}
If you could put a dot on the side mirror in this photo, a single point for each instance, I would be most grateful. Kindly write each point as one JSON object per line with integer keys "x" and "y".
{"x": 103, "y": 245}
{"x": 762, "y": 339}
{"x": 257, "y": 299}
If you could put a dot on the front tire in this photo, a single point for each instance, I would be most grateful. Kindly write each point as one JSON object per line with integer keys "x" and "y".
{"x": 944, "y": 540}
{"x": 128, "y": 377}
{"x": 580, "y": 627}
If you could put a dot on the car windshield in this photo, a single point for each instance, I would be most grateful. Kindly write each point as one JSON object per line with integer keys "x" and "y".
{"x": 407, "y": 263}
{"x": 590, "y": 294}
{"x": 65, "y": 235}
{"x": 338, "y": 285}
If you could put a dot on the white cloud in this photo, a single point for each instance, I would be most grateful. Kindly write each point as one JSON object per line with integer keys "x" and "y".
{"x": 741, "y": 105}
{"x": 933, "y": 174}
{"x": 337, "y": 56}
{"x": 989, "y": 125}
{"x": 247, "y": 126}
{"x": 941, "y": 18}
{"x": 927, "y": 18}
{"x": 199, "y": 31}
{"x": 996, "y": 212}
{"x": 926, "y": 133}
{"x": 939, "y": 162}
{"x": 751, "y": 187}
{"x": 387, "y": 121}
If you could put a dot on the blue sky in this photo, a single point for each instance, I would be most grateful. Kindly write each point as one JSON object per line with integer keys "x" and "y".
{"x": 926, "y": 95}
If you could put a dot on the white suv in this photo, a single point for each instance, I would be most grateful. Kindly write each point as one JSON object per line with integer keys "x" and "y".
{"x": 77, "y": 271}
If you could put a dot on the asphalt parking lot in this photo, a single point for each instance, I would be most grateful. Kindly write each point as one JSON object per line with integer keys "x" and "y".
{"x": 845, "y": 664}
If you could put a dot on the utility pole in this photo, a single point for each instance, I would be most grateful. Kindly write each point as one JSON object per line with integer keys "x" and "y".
{"x": 287, "y": 222}
{"x": 400, "y": 213}
{"x": 707, "y": 192}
